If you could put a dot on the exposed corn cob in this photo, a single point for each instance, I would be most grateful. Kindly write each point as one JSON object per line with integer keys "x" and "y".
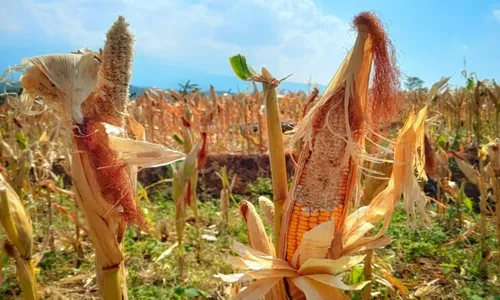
{"x": 333, "y": 132}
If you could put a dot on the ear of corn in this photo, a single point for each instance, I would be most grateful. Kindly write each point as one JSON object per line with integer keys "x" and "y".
{"x": 257, "y": 235}
{"x": 332, "y": 131}
{"x": 17, "y": 225}
{"x": 15, "y": 220}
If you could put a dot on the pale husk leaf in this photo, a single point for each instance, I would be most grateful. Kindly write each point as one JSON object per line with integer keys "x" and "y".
{"x": 143, "y": 154}
{"x": 336, "y": 282}
{"x": 257, "y": 289}
{"x": 100, "y": 214}
{"x": 315, "y": 243}
{"x": 257, "y": 235}
{"x": 329, "y": 266}
{"x": 469, "y": 171}
{"x": 318, "y": 291}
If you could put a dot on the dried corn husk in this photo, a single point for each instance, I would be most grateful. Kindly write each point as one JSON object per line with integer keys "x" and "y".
{"x": 257, "y": 235}
{"x": 15, "y": 221}
{"x": 467, "y": 169}
{"x": 309, "y": 260}
{"x": 17, "y": 225}
{"x": 493, "y": 150}
{"x": 317, "y": 278}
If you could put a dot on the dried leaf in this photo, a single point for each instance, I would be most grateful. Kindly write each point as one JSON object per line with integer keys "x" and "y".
{"x": 318, "y": 291}
{"x": 329, "y": 266}
{"x": 166, "y": 252}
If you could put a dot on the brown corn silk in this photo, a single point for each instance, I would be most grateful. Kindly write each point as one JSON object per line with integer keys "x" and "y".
{"x": 333, "y": 134}
{"x": 115, "y": 180}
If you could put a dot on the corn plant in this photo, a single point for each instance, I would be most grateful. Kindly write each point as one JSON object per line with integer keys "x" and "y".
{"x": 90, "y": 91}
{"x": 225, "y": 193}
{"x": 318, "y": 238}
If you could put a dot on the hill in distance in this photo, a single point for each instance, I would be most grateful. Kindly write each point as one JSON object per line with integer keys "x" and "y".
{"x": 222, "y": 84}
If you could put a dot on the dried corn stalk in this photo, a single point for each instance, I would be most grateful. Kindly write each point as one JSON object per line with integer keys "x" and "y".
{"x": 225, "y": 193}
{"x": 90, "y": 90}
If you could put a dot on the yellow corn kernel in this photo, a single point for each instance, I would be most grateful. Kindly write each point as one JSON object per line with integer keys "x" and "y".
{"x": 303, "y": 222}
{"x": 305, "y": 214}
{"x": 325, "y": 213}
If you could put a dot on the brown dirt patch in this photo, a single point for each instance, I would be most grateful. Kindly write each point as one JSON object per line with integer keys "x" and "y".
{"x": 247, "y": 167}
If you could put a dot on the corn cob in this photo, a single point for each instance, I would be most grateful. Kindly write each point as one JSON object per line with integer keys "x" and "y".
{"x": 318, "y": 197}
{"x": 333, "y": 131}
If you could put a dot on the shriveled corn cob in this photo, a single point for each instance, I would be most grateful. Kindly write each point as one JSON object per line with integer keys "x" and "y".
{"x": 318, "y": 196}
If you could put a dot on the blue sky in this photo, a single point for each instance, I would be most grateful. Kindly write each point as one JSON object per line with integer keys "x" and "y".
{"x": 178, "y": 40}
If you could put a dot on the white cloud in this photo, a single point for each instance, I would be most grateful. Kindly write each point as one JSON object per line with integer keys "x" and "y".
{"x": 285, "y": 36}
{"x": 496, "y": 15}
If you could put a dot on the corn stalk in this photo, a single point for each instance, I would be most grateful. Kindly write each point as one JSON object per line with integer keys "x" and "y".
{"x": 275, "y": 136}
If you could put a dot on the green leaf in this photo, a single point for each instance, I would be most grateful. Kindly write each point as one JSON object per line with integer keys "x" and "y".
{"x": 240, "y": 67}
{"x": 468, "y": 204}
{"x": 442, "y": 142}
{"x": 470, "y": 83}
{"x": 179, "y": 291}
{"x": 192, "y": 292}
{"x": 357, "y": 275}
{"x": 183, "y": 174}
{"x": 142, "y": 193}
{"x": 177, "y": 138}
{"x": 21, "y": 141}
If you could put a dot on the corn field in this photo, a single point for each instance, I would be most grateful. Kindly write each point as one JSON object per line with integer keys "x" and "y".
{"x": 393, "y": 194}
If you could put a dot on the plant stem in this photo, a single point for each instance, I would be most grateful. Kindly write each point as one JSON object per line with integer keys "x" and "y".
{"x": 276, "y": 156}
{"x": 196, "y": 216}
{"x": 78, "y": 239}
{"x": 496, "y": 182}
{"x": 368, "y": 271}
{"x": 483, "y": 209}
{"x": 111, "y": 284}
{"x": 459, "y": 204}
{"x": 26, "y": 275}
{"x": 49, "y": 229}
